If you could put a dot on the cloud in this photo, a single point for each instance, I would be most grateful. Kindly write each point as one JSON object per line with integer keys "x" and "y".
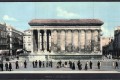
{"x": 65, "y": 14}
{"x": 8, "y": 18}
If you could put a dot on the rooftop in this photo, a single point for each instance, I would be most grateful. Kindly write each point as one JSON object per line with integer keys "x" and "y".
{"x": 65, "y": 22}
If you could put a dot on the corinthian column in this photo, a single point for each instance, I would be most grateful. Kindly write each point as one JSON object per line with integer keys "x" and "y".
{"x": 45, "y": 40}
{"x": 72, "y": 41}
{"x": 38, "y": 40}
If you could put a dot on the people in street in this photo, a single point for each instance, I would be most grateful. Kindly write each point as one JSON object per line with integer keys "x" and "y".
{"x": 116, "y": 65}
{"x": 10, "y": 66}
{"x": 36, "y": 64}
{"x": 90, "y": 64}
{"x": 86, "y": 66}
{"x": 39, "y": 64}
{"x": 43, "y": 64}
{"x": 17, "y": 65}
{"x": 73, "y": 66}
{"x": 25, "y": 64}
{"x": 98, "y": 64}
{"x": 6, "y": 66}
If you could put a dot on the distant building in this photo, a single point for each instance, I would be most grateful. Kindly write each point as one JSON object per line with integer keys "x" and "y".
{"x": 107, "y": 45}
{"x": 117, "y": 42}
{"x": 3, "y": 37}
{"x": 15, "y": 39}
{"x": 27, "y": 40}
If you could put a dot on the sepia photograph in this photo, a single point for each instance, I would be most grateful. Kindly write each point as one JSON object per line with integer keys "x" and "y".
{"x": 60, "y": 37}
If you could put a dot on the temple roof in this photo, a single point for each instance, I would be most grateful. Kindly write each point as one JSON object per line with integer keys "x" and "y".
{"x": 65, "y": 22}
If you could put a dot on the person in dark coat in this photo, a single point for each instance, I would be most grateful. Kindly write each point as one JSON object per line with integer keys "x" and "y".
{"x": 10, "y": 66}
{"x": 73, "y": 66}
{"x": 17, "y": 65}
{"x": 86, "y": 66}
{"x": 47, "y": 63}
{"x": 43, "y": 64}
{"x": 2, "y": 66}
{"x": 6, "y": 66}
{"x": 51, "y": 63}
{"x": 25, "y": 64}
{"x": 60, "y": 63}
{"x": 33, "y": 63}
{"x": 90, "y": 64}
{"x": 116, "y": 65}
{"x": 39, "y": 64}
{"x": 98, "y": 64}
{"x": 36, "y": 63}
{"x": 78, "y": 64}
{"x": 70, "y": 64}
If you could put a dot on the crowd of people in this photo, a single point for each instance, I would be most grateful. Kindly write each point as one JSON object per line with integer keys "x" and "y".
{"x": 60, "y": 64}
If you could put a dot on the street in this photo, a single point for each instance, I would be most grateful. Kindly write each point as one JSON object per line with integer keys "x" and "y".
{"x": 106, "y": 65}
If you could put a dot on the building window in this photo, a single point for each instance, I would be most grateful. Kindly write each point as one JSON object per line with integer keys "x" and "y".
{"x": 28, "y": 44}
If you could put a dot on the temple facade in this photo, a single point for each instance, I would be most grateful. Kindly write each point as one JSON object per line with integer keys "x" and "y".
{"x": 66, "y": 36}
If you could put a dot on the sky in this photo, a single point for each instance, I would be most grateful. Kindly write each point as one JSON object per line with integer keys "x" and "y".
{"x": 18, "y": 14}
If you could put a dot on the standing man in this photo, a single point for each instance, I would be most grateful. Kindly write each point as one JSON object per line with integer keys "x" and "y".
{"x": 39, "y": 64}
{"x": 116, "y": 65}
{"x": 6, "y": 66}
{"x": 10, "y": 66}
{"x": 36, "y": 63}
{"x": 17, "y": 65}
{"x": 90, "y": 64}
{"x": 98, "y": 64}
{"x": 25, "y": 64}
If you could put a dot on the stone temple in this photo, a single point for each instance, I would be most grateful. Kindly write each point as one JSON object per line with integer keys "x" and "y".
{"x": 66, "y": 38}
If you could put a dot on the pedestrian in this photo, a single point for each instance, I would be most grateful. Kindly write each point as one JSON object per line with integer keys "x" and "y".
{"x": 25, "y": 64}
{"x": 2, "y": 66}
{"x": 33, "y": 63}
{"x": 86, "y": 66}
{"x": 17, "y": 65}
{"x": 36, "y": 64}
{"x": 39, "y": 64}
{"x": 78, "y": 64}
{"x": 90, "y": 64}
{"x": 10, "y": 66}
{"x": 60, "y": 63}
{"x": 51, "y": 63}
{"x": 46, "y": 63}
{"x": 98, "y": 64}
{"x": 43, "y": 64}
{"x": 116, "y": 65}
{"x": 6, "y": 66}
{"x": 73, "y": 66}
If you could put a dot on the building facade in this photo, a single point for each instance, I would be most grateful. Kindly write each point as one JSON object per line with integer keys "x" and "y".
{"x": 27, "y": 40}
{"x": 107, "y": 45}
{"x": 117, "y": 42}
{"x": 3, "y": 37}
{"x": 15, "y": 39}
{"x": 82, "y": 36}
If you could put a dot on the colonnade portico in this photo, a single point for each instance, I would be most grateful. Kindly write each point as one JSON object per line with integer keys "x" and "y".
{"x": 62, "y": 35}
{"x": 65, "y": 40}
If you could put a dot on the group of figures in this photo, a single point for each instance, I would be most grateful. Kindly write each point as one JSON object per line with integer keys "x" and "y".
{"x": 42, "y": 64}
{"x": 9, "y": 67}
{"x": 79, "y": 65}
